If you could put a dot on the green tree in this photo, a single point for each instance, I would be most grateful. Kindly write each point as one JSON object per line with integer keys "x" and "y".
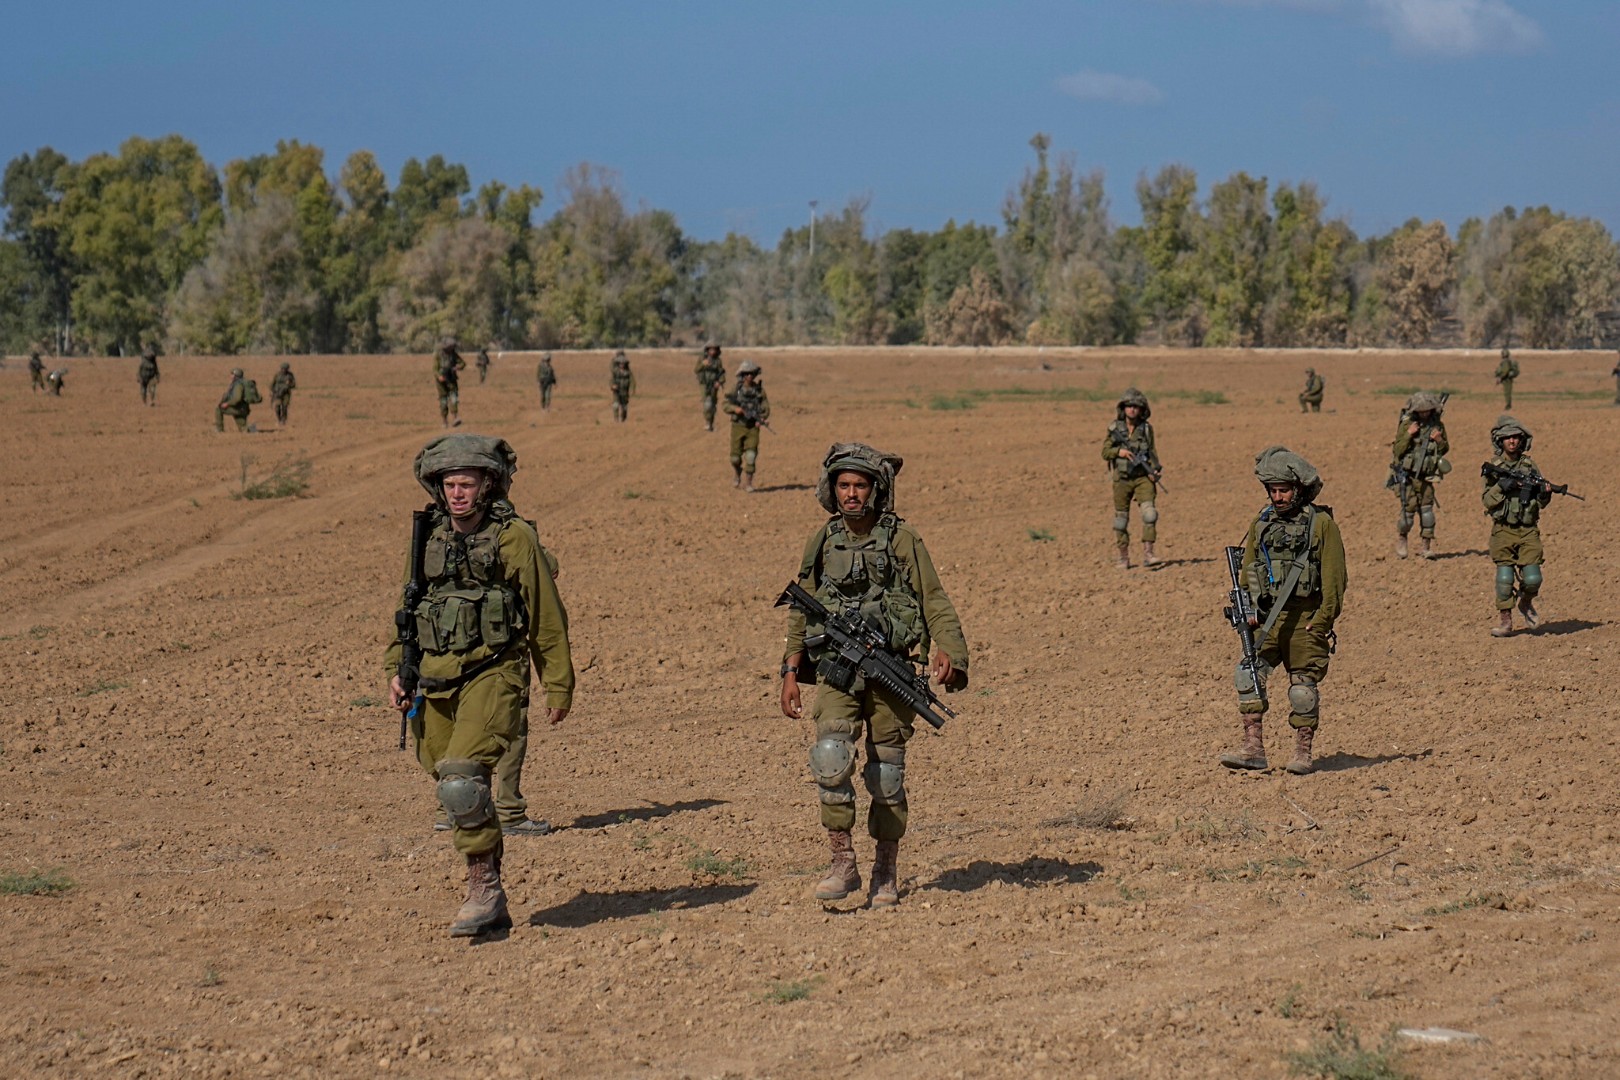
{"x": 1415, "y": 278}
{"x": 1233, "y": 259}
{"x": 1168, "y": 242}
{"x": 39, "y": 268}
{"x": 253, "y": 293}
{"x": 452, "y": 282}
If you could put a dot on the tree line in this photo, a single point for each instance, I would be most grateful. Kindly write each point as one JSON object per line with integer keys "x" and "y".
{"x": 154, "y": 245}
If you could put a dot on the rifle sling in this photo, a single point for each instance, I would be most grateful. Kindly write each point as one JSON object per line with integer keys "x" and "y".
{"x": 1291, "y": 580}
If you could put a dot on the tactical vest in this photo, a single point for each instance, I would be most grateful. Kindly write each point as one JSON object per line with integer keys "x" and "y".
{"x": 862, "y": 574}
{"x": 445, "y": 364}
{"x": 751, "y": 398}
{"x": 281, "y": 386}
{"x": 1120, "y": 435}
{"x": 710, "y": 376}
{"x": 546, "y": 375}
{"x": 468, "y": 603}
{"x": 1278, "y": 544}
{"x": 621, "y": 381}
{"x": 1517, "y": 511}
{"x": 1421, "y": 458}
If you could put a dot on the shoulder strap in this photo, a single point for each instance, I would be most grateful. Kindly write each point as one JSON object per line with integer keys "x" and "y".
{"x": 1294, "y": 572}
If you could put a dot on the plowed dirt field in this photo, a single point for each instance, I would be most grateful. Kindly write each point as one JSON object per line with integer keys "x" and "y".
{"x": 192, "y": 734}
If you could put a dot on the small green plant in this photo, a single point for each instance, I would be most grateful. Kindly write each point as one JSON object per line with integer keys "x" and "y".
{"x": 1477, "y": 900}
{"x": 781, "y": 993}
{"x": 35, "y": 883}
{"x": 1288, "y": 1004}
{"x": 210, "y": 978}
{"x": 1041, "y": 536}
{"x": 952, "y": 402}
{"x": 37, "y": 632}
{"x": 633, "y": 494}
{"x": 1340, "y": 1056}
{"x": 288, "y": 478}
{"x": 709, "y": 864}
{"x": 101, "y": 687}
{"x": 1357, "y": 893}
{"x": 1128, "y": 894}
{"x": 1210, "y": 397}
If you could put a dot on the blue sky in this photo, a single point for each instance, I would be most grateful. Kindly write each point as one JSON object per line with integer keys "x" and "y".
{"x": 734, "y": 115}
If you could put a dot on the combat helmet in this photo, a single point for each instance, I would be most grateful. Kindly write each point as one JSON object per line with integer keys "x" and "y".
{"x": 711, "y": 350}
{"x": 748, "y": 367}
{"x": 447, "y": 453}
{"x": 236, "y": 373}
{"x": 1505, "y": 425}
{"x": 1425, "y": 401}
{"x": 285, "y": 366}
{"x": 1280, "y": 465}
{"x": 1133, "y": 396}
{"x": 1504, "y": 352}
{"x": 861, "y": 458}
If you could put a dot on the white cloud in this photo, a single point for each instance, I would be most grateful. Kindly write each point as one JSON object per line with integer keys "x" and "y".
{"x": 1091, "y": 85}
{"x": 1456, "y": 27}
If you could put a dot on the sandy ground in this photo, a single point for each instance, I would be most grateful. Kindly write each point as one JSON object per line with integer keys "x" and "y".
{"x": 192, "y": 734}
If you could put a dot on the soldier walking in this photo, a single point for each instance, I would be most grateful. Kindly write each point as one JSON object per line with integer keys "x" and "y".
{"x": 147, "y": 374}
{"x": 482, "y": 363}
{"x": 1310, "y": 399}
{"x": 1507, "y": 369}
{"x": 1616, "y": 374}
{"x": 547, "y": 378}
{"x": 281, "y": 389}
{"x": 36, "y": 371}
{"x": 490, "y": 615}
{"x": 621, "y": 383}
{"x": 1133, "y": 462}
{"x": 1515, "y": 531}
{"x": 711, "y": 375}
{"x": 1294, "y": 570}
{"x": 447, "y": 368}
{"x": 1419, "y": 448}
{"x": 237, "y": 402}
{"x": 749, "y": 408}
{"x": 865, "y": 557}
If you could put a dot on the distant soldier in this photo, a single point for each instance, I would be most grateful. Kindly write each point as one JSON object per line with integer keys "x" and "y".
{"x": 1616, "y": 374}
{"x": 56, "y": 379}
{"x": 148, "y": 375}
{"x": 1419, "y": 449}
{"x": 36, "y": 371}
{"x": 238, "y": 401}
{"x": 1310, "y": 399}
{"x": 1506, "y": 371}
{"x": 749, "y": 408}
{"x": 281, "y": 388}
{"x": 622, "y": 384}
{"x": 1133, "y": 462}
{"x": 547, "y": 378}
{"x": 1515, "y": 511}
{"x": 447, "y": 368}
{"x": 711, "y": 375}
{"x": 482, "y": 363}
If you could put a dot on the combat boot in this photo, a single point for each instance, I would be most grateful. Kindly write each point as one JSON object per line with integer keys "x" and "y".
{"x": 1300, "y": 764}
{"x": 886, "y": 875}
{"x": 485, "y": 909}
{"x": 1400, "y": 545}
{"x": 842, "y": 877}
{"x": 1428, "y": 548}
{"x": 1124, "y": 559}
{"x": 1528, "y": 610}
{"x": 1252, "y": 754}
{"x": 1148, "y": 558}
{"x": 736, "y": 476}
{"x": 1504, "y": 624}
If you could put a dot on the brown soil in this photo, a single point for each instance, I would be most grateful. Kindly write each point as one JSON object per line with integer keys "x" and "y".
{"x": 192, "y": 734}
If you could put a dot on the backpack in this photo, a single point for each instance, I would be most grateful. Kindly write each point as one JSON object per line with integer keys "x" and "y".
{"x": 250, "y": 392}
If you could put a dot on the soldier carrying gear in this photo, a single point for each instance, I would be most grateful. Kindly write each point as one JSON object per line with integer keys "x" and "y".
{"x": 1294, "y": 572}
{"x": 489, "y": 614}
{"x": 622, "y": 384}
{"x": 547, "y": 378}
{"x": 865, "y": 559}
{"x": 1515, "y": 512}
{"x": 1419, "y": 463}
{"x": 447, "y": 366}
{"x": 281, "y": 389}
{"x": 1133, "y": 461}
{"x": 36, "y": 371}
{"x": 1507, "y": 369}
{"x": 482, "y": 363}
{"x": 1310, "y": 399}
{"x": 711, "y": 375}
{"x": 147, "y": 374}
{"x": 238, "y": 401}
{"x": 57, "y": 379}
{"x": 749, "y": 408}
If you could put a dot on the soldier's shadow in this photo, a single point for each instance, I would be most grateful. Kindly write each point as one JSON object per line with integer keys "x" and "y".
{"x": 587, "y": 908}
{"x": 1469, "y": 554}
{"x": 642, "y": 813}
{"x": 1562, "y": 626}
{"x": 1035, "y": 870}
{"x": 768, "y": 488}
{"x": 1166, "y": 564}
{"x": 1339, "y": 762}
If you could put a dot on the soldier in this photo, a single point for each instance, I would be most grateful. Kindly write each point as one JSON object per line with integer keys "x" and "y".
{"x": 490, "y": 612}
{"x": 56, "y": 379}
{"x": 36, "y": 371}
{"x": 281, "y": 388}
{"x": 1515, "y": 535}
{"x": 1616, "y": 374}
{"x": 1133, "y": 461}
{"x": 1293, "y": 566}
{"x": 1506, "y": 371}
{"x": 1420, "y": 448}
{"x": 547, "y": 379}
{"x": 749, "y": 408}
{"x": 238, "y": 401}
{"x": 622, "y": 384}
{"x": 1310, "y": 399}
{"x": 482, "y": 363}
{"x": 866, "y": 557}
{"x": 148, "y": 375}
{"x": 447, "y": 366}
{"x": 711, "y": 375}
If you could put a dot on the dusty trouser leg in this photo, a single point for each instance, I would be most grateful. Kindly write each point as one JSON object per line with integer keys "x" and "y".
{"x": 739, "y": 433}
{"x": 1122, "y": 523}
{"x": 444, "y": 407}
{"x": 708, "y": 410}
{"x": 832, "y": 763}
{"x": 1251, "y": 754}
{"x": 219, "y": 418}
{"x": 1145, "y": 493}
{"x": 889, "y": 728}
{"x": 510, "y": 806}
{"x": 1529, "y": 587}
{"x": 281, "y": 410}
{"x": 750, "y": 456}
{"x": 1305, "y": 654}
{"x": 241, "y": 421}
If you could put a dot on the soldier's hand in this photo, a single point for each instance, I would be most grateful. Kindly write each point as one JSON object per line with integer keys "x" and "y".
{"x": 555, "y": 716}
{"x": 1412, "y": 428}
{"x": 1254, "y": 620}
{"x": 1123, "y": 453}
{"x": 396, "y": 694}
{"x": 792, "y": 705}
{"x": 941, "y": 670}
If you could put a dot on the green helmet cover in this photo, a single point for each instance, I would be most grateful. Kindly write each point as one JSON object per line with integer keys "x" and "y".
{"x": 1505, "y": 425}
{"x": 1133, "y": 396}
{"x": 861, "y": 458}
{"x": 447, "y": 453}
{"x": 1280, "y": 465}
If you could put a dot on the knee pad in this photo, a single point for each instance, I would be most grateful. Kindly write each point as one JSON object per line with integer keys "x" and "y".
{"x": 1249, "y": 699}
{"x": 1530, "y": 579}
{"x": 463, "y": 791}
{"x": 1426, "y": 516}
{"x": 1121, "y": 522}
{"x": 832, "y": 761}
{"x": 1303, "y": 700}
{"x": 885, "y": 774}
{"x": 736, "y": 461}
{"x": 748, "y": 459}
{"x": 1405, "y": 522}
{"x": 1150, "y": 513}
{"x": 1504, "y": 583}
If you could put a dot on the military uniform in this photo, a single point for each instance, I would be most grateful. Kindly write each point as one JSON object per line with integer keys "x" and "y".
{"x": 1616, "y": 374}
{"x": 1506, "y": 371}
{"x": 621, "y": 383}
{"x": 238, "y": 402}
{"x": 447, "y": 368}
{"x": 482, "y": 363}
{"x": 56, "y": 380}
{"x": 1419, "y": 463}
{"x": 491, "y": 611}
{"x": 281, "y": 388}
{"x": 547, "y": 378}
{"x": 1515, "y": 533}
{"x": 36, "y": 372}
{"x": 1133, "y": 480}
{"x": 1311, "y": 397}
{"x": 711, "y": 375}
{"x": 749, "y": 408}
{"x": 148, "y": 376}
{"x": 1294, "y": 571}
{"x": 874, "y": 562}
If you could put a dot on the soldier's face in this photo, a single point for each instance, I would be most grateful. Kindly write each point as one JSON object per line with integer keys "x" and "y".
{"x": 1281, "y": 495}
{"x": 463, "y": 488}
{"x": 1134, "y": 412}
{"x": 853, "y": 491}
{"x": 1513, "y": 445}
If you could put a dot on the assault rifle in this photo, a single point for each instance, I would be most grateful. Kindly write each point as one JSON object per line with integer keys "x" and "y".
{"x": 860, "y": 650}
{"x": 1528, "y": 485}
{"x": 750, "y": 413}
{"x": 410, "y": 647}
{"x": 1238, "y": 613}
{"x": 1142, "y": 462}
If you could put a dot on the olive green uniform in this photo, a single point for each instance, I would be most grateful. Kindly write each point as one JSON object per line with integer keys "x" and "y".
{"x": 711, "y": 375}
{"x": 447, "y": 366}
{"x": 750, "y": 400}
{"x": 1421, "y": 457}
{"x": 1130, "y": 481}
{"x": 1515, "y": 534}
{"x": 1506, "y": 372}
{"x": 1300, "y": 640}
{"x": 482, "y": 364}
{"x": 621, "y": 383}
{"x": 237, "y": 403}
{"x": 889, "y": 574}
{"x": 147, "y": 375}
{"x": 56, "y": 379}
{"x": 36, "y": 372}
{"x": 281, "y": 389}
{"x": 1311, "y": 396}
{"x": 1616, "y": 374}
{"x": 547, "y": 378}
